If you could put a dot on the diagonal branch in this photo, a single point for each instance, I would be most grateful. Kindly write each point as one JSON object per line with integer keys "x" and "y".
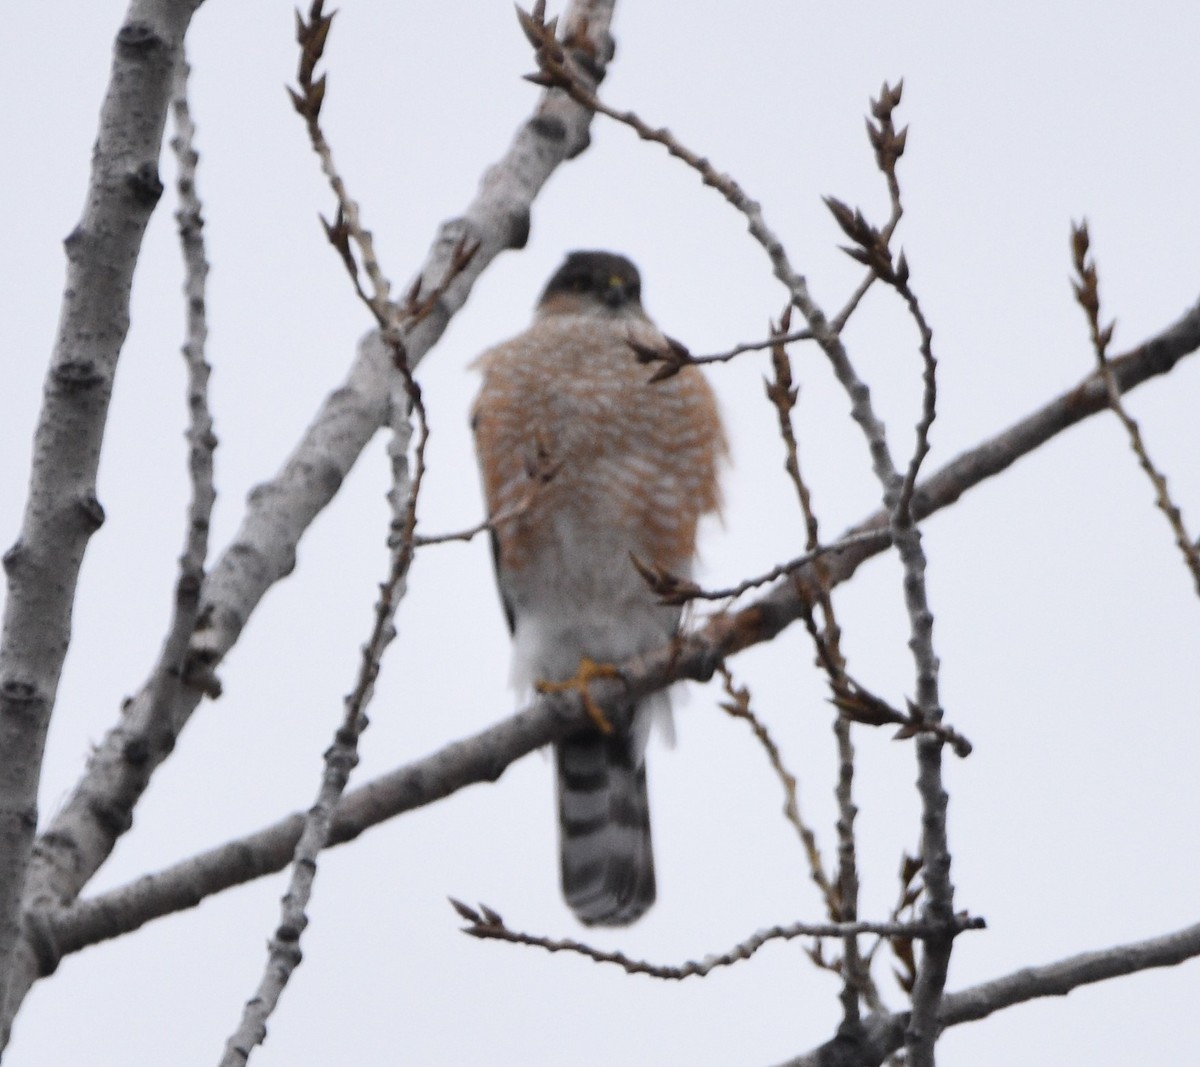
{"x": 484, "y": 757}
{"x": 738, "y": 706}
{"x": 84, "y": 831}
{"x": 1087, "y": 292}
{"x": 886, "y": 1033}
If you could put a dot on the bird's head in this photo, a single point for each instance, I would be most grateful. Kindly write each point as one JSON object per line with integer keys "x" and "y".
{"x": 593, "y": 283}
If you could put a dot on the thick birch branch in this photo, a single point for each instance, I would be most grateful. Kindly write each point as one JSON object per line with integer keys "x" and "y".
{"x": 484, "y": 757}
{"x": 62, "y": 511}
{"x": 278, "y": 512}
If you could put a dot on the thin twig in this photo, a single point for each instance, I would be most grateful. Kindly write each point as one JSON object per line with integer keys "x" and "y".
{"x": 502, "y": 516}
{"x": 672, "y": 589}
{"x": 170, "y": 670}
{"x": 674, "y": 356}
{"x": 871, "y": 248}
{"x": 1087, "y": 292}
{"x": 902, "y": 947}
{"x": 838, "y": 323}
{"x": 342, "y": 756}
{"x": 755, "y": 346}
{"x": 486, "y": 924}
{"x": 467, "y": 535}
{"x": 842, "y": 902}
{"x": 783, "y": 395}
{"x": 886, "y": 154}
{"x": 856, "y": 974}
{"x": 311, "y": 36}
{"x": 860, "y": 705}
{"x": 739, "y": 707}
{"x": 938, "y": 907}
{"x": 929, "y": 391}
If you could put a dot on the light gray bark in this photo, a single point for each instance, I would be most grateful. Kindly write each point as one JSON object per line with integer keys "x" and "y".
{"x": 62, "y": 511}
{"x": 99, "y": 809}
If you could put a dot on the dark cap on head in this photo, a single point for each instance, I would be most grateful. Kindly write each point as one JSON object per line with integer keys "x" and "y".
{"x": 605, "y": 276}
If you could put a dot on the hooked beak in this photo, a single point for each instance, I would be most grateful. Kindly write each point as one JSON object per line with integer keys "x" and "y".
{"x": 614, "y": 295}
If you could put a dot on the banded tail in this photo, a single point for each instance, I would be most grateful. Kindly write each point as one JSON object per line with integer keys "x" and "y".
{"x": 605, "y": 850}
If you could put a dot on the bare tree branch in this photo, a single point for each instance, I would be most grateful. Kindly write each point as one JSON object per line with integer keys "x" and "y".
{"x": 486, "y": 924}
{"x": 167, "y": 678}
{"x": 672, "y": 589}
{"x": 1087, "y": 292}
{"x": 860, "y": 705}
{"x": 98, "y": 811}
{"x": 886, "y": 1033}
{"x": 674, "y": 356}
{"x": 284, "y": 954}
{"x": 340, "y": 758}
{"x": 201, "y": 439}
{"x": 938, "y": 902}
{"x": 739, "y": 707}
{"x": 482, "y": 757}
{"x": 485, "y": 756}
{"x": 62, "y": 511}
{"x": 841, "y": 902}
{"x": 311, "y": 36}
{"x": 208, "y": 619}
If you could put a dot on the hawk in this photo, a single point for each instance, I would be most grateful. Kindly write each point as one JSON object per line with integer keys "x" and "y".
{"x": 587, "y": 465}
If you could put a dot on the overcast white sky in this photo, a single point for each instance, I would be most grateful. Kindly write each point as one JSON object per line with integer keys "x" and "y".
{"x": 1064, "y": 618}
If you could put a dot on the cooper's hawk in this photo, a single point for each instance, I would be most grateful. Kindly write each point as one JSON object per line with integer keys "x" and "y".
{"x": 585, "y": 465}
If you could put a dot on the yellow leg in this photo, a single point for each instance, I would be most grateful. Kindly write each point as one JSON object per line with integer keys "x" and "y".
{"x": 588, "y": 672}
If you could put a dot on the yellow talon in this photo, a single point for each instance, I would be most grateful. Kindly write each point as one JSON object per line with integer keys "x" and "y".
{"x": 589, "y": 671}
